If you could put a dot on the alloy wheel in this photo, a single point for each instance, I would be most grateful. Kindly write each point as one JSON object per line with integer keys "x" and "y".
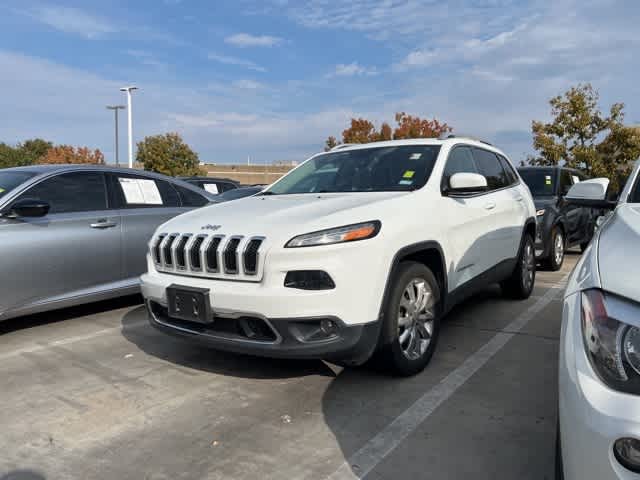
{"x": 416, "y": 315}
{"x": 528, "y": 265}
{"x": 558, "y": 248}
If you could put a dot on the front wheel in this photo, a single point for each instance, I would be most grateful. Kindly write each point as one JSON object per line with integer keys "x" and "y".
{"x": 520, "y": 283}
{"x": 556, "y": 255}
{"x": 411, "y": 322}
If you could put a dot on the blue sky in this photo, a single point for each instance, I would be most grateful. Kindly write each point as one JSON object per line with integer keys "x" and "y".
{"x": 273, "y": 78}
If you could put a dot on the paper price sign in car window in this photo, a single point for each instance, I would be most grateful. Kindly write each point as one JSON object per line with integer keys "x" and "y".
{"x": 211, "y": 187}
{"x": 547, "y": 179}
{"x": 140, "y": 191}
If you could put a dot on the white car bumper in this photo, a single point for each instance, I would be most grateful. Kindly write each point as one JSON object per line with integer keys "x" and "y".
{"x": 592, "y": 416}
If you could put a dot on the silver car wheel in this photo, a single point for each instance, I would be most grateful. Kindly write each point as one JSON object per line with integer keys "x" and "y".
{"x": 528, "y": 266}
{"x": 558, "y": 248}
{"x": 416, "y": 318}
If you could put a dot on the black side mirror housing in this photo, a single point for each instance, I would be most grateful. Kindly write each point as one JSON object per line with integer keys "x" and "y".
{"x": 29, "y": 208}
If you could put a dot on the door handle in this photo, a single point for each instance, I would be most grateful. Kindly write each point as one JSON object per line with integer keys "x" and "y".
{"x": 103, "y": 224}
{"x": 490, "y": 206}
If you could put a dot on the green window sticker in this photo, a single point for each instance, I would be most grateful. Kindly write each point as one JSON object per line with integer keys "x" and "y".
{"x": 408, "y": 174}
{"x": 547, "y": 179}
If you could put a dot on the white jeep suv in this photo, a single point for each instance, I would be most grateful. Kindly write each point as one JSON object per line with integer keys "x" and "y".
{"x": 356, "y": 252}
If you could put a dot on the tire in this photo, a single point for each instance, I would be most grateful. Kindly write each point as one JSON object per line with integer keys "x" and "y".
{"x": 410, "y": 331}
{"x": 520, "y": 283}
{"x": 556, "y": 254}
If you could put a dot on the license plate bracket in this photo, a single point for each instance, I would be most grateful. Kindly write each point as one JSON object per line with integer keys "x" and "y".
{"x": 189, "y": 303}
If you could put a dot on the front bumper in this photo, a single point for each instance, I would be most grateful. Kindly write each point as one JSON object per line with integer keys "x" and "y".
{"x": 301, "y": 338}
{"x": 592, "y": 416}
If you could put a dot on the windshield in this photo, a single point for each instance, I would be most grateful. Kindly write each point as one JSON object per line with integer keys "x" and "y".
{"x": 634, "y": 196}
{"x": 10, "y": 180}
{"x": 541, "y": 181}
{"x": 236, "y": 193}
{"x": 376, "y": 169}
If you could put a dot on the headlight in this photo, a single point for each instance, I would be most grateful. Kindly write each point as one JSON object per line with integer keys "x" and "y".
{"x": 348, "y": 233}
{"x": 612, "y": 345}
{"x": 540, "y": 213}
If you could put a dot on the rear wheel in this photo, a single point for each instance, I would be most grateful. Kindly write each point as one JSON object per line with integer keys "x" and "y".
{"x": 411, "y": 321}
{"x": 520, "y": 283}
{"x": 556, "y": 255}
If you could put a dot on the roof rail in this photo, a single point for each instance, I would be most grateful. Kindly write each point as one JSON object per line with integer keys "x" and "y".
{"x": 447, "y": 136}
{"x": 342, "y": 145}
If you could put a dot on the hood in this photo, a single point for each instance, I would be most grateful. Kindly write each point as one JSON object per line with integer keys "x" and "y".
{"x": 281, "y": 215}
{"x": 618, "y": 255}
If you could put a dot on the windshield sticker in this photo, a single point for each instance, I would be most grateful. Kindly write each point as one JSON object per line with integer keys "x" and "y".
{"x": 140, "y": 191}
{"x": 547, "y": 179}
{"x": 415, "y": 156}
{"x": 1, "y": 190}
{"x": 211, "y": 187}
{"x": 405, "y": 182}
{"x": 408, "y": 174}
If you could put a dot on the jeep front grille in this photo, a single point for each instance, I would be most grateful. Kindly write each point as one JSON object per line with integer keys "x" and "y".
{"x": 214, "y": 256}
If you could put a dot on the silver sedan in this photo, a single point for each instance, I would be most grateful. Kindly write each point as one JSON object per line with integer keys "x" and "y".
{"x": 75, "y": 234}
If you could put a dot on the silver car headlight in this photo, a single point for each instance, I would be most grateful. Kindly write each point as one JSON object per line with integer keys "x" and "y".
{"x": 348, "y": 233}
{"x": 612, "y": 339}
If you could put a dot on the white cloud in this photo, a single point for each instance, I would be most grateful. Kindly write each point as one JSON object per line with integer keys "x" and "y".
{"x": 73, "y": 20}
{"x": 244, "y": 40}
{"x": 240, "y": 62}
{"x": 417, "y": 58}
{"x": 351, "y": 70}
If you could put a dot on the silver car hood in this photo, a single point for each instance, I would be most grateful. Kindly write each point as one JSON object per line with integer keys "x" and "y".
{"x": 618, "y": 252}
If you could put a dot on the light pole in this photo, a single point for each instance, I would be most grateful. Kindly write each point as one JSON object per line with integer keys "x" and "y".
{"x": 129, "y": 89}
{"x": 115, "y": 109}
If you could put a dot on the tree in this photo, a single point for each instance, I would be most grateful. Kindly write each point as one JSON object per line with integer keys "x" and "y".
{"x": 35, "y": 148}
{"x": 415, "y": 127}
{"x": 580, "y": 136}
{"x": 168, "y": 154}
{"x": 362, "y": 130}
{"x": 68, "y": 154}
{"x": 11, "y": 156}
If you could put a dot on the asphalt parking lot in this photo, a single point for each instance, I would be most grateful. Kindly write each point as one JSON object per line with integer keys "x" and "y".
{"x": 95, "y": 392}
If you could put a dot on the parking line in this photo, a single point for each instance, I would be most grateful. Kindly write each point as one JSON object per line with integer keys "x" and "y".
{"x": 67, "y": 341}
{"x": 359, "y": 464}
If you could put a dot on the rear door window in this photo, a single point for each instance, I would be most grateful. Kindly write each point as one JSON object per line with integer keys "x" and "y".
{"x": 489, "y": 165}
{"x": 71, "y": 192}
{"x": 566, "y": 181}
{"x": 512, "y": 176}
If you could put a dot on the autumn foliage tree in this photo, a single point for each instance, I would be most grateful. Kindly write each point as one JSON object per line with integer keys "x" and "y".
{"x": 61, "y": 154}
{"x": 168, "y": 154}
{"x": 581, "y": 136}
{"x": 362, "y": 130}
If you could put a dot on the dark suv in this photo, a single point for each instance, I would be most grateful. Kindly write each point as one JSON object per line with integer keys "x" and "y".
{"x": 560, "y": 225}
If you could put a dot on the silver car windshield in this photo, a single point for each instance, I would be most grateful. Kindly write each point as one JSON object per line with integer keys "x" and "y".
{"x": 10, "y": 180}
{"x": 376, "y": 169}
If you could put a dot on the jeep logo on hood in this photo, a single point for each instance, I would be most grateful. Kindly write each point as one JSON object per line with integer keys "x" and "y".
{"x": 211, "y": 227}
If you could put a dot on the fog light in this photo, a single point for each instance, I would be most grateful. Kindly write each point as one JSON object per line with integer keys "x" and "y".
{"x": 328, "y": 327}
{"x": 309, "y": 280}
{"x": 627, "y": 452}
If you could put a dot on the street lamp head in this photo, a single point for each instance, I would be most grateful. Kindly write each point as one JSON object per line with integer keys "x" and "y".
{"x": 116, "y": 107}
{"x": 128, "y": 89}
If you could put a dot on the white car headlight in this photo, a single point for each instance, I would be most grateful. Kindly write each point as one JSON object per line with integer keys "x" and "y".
{"x": 612, "y": 339}
{"x": 348, "y": 233}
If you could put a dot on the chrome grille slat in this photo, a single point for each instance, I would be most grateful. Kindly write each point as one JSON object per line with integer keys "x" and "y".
{"x": 210, "y": 256}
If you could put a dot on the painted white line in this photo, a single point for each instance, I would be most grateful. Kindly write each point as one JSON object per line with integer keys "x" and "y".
{"x": 377, "y": 448}
{"x": 67, "y": 341}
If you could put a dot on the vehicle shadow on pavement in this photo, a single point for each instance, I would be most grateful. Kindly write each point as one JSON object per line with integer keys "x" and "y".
{"x": 199, "y": 357}
{"x": 37, "y": 319}
{"x": 360, "y": 403}
{"x": 22, "y": 475}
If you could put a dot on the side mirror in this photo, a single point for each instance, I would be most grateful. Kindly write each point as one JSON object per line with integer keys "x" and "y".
{"x": 464, "y": 183}
{"x": 29, "y": 208}
{"x": 590, "y": 193}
